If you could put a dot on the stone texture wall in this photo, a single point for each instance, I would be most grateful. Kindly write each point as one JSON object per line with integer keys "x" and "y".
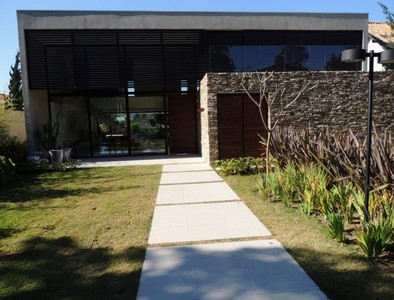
{"x": 339, "y": 102}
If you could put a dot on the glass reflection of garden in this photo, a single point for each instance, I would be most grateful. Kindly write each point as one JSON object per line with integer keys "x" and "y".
{"x": 147, "y": 132}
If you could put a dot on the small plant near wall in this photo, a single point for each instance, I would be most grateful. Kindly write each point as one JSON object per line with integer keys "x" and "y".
{"x": 48, "y": 139}
{"x": 49, "y": 134}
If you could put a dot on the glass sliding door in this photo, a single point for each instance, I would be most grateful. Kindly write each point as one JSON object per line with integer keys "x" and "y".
{"x": 108, "y": 121}
{"x": 72, "y": 114}
{"x": 147, "y": 124}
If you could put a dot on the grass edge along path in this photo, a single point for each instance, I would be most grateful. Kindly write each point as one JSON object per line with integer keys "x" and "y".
{"x": 341, "y": 271}
{"x": 78, "y": 234}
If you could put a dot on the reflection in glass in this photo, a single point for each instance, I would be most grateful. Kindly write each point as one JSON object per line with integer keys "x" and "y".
{"x": 147, "y": 132}
{"x": 72, "y": 115}
{"x": 334, "y": 62}
{"x": 278, "y": 58}
{"x": 109, "y": 126}
{"x": 147, "y": 124}
{"x": 317, "y": 57}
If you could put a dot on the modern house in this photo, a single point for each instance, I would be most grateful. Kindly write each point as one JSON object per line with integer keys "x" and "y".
{"x": 128, "y": 83}
{"x": 381, "y": 37}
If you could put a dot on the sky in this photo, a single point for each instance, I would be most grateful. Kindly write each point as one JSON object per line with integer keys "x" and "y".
{"x": 8, "y": 24}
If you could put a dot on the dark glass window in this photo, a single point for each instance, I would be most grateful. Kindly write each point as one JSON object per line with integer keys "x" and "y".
{"x": 333, "y": 59}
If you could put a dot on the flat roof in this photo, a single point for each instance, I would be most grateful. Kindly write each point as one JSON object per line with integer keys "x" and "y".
{"x": 52, "y": 19}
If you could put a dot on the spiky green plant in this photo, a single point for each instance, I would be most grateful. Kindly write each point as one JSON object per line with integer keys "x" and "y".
{"x": 375, "y": 236}
{"x": 336, "y": 226}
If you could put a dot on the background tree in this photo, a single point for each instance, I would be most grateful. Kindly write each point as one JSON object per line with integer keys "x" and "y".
{"x": 390, "y": 21}
{"x": 15, "y": 98}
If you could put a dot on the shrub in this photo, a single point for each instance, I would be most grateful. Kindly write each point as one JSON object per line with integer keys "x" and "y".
{"x": 242, "y": 166}
{"x": 7, "y": 170}
{"x": 12, "y": 148}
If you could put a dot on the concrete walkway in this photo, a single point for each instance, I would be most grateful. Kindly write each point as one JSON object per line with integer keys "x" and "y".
{"x": 206, "y": 244}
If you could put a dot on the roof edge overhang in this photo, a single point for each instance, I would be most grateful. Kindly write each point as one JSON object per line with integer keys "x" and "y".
{"x": 48, "y": 19}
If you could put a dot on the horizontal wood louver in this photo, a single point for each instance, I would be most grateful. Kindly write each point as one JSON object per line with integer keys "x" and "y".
{"x": 144, "y": 66}
{"x": 239, "y": 124}
{"x": 95, "y": 59}
{"x": 230, "y": 126}
{"x": 60, "y": 67}
{"x": 179, "y": 64}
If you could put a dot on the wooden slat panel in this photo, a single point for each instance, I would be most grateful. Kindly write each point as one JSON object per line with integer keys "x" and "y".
{"x": 230, "y": 118}
{"x": 239, "y": 123}
{"x": 253, "y": 126}
{"x": 182, "y": 123}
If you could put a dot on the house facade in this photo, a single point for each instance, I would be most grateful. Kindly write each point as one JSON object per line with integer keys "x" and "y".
{"x": 128, "y": 83}
{"x": 381, "y": 37}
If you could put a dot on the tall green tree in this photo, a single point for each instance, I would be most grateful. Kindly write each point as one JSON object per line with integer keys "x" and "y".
{"x": 390, "y": 19}
{"x": 15, "y": 98}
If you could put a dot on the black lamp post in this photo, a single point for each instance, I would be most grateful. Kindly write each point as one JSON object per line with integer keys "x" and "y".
{"x": 385, "y": 57}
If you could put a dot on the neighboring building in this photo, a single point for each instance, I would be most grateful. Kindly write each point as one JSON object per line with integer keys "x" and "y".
{"x": 127, "y": 83}
{"x": 381, "y": 37}
{"x": 2, "y": 98}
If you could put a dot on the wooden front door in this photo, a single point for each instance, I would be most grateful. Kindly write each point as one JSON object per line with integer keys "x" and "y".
{"x": 182, "y": 122}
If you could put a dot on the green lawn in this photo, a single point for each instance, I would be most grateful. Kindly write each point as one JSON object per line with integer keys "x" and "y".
{"x": 342, "y": 272}
{"x": 83, "y": 234}
{"x": 79, "y": 234}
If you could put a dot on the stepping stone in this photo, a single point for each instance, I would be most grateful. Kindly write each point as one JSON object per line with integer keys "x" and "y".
{"x": 189, "y": 177}
{"x": 204, "y": 222}
{"x": 236, "y": 270}
{"x": 194, "y": 193}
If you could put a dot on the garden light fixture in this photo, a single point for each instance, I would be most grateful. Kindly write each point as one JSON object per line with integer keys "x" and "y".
{"x": 359, "y": 55}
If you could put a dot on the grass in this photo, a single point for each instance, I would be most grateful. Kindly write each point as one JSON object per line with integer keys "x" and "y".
{"x": 76, "y": 235}
{"x": 342, "y": 272}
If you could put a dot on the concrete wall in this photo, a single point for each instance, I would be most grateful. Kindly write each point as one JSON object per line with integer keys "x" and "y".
{"x": 339, "y": 102}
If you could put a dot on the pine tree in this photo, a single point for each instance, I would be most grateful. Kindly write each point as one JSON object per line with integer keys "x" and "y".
{"x": 15, "y": 98}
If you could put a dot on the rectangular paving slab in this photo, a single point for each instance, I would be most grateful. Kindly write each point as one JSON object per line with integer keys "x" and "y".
{"x": 187, "y": 167}
{"x": 189, "y": 177}
{"x": 235, "y": 270}
{"x": 194, "y": 193}
{"x": 204, "y": 222}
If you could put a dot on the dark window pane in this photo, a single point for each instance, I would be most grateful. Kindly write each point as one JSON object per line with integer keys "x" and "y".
{"x": 271, "y": 58}
{"x": 252, "y": 58}
{"x": 333, "y": 59}
{"x": 296, "y": 58}
{"x": 317, "y": 58}
{"x": 226, "y": 58}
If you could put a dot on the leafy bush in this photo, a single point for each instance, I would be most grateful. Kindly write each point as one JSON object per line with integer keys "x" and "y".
{"x": 12, "y": 148}
{"x": 242, "y": 166}
{"x": 336, "y": 226}
{"x": 375, "y": 237}
{"x": 7, "y": 170}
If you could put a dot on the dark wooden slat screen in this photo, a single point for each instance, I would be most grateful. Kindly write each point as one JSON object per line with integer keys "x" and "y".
{"x": 239, "y": 123}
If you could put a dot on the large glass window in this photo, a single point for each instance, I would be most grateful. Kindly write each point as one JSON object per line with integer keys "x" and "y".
{"x": 147, "y": 124}
{"x": 278, "y": 58}
{"x": 72, "y": 115}
{"x": 109, "y": 126}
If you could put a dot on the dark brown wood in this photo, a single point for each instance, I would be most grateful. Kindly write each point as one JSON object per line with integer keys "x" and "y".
{"x": 182, "y": 119}
{"x": 239, "y": 124}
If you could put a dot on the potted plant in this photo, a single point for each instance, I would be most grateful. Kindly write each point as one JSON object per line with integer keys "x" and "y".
{"x": 48, "y": 139}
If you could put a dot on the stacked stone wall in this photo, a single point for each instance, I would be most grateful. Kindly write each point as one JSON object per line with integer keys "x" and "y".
{"x": 339, "y": 102}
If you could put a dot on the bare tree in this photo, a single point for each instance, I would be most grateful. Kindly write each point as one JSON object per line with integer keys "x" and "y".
{"x": 269, "y": 93}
